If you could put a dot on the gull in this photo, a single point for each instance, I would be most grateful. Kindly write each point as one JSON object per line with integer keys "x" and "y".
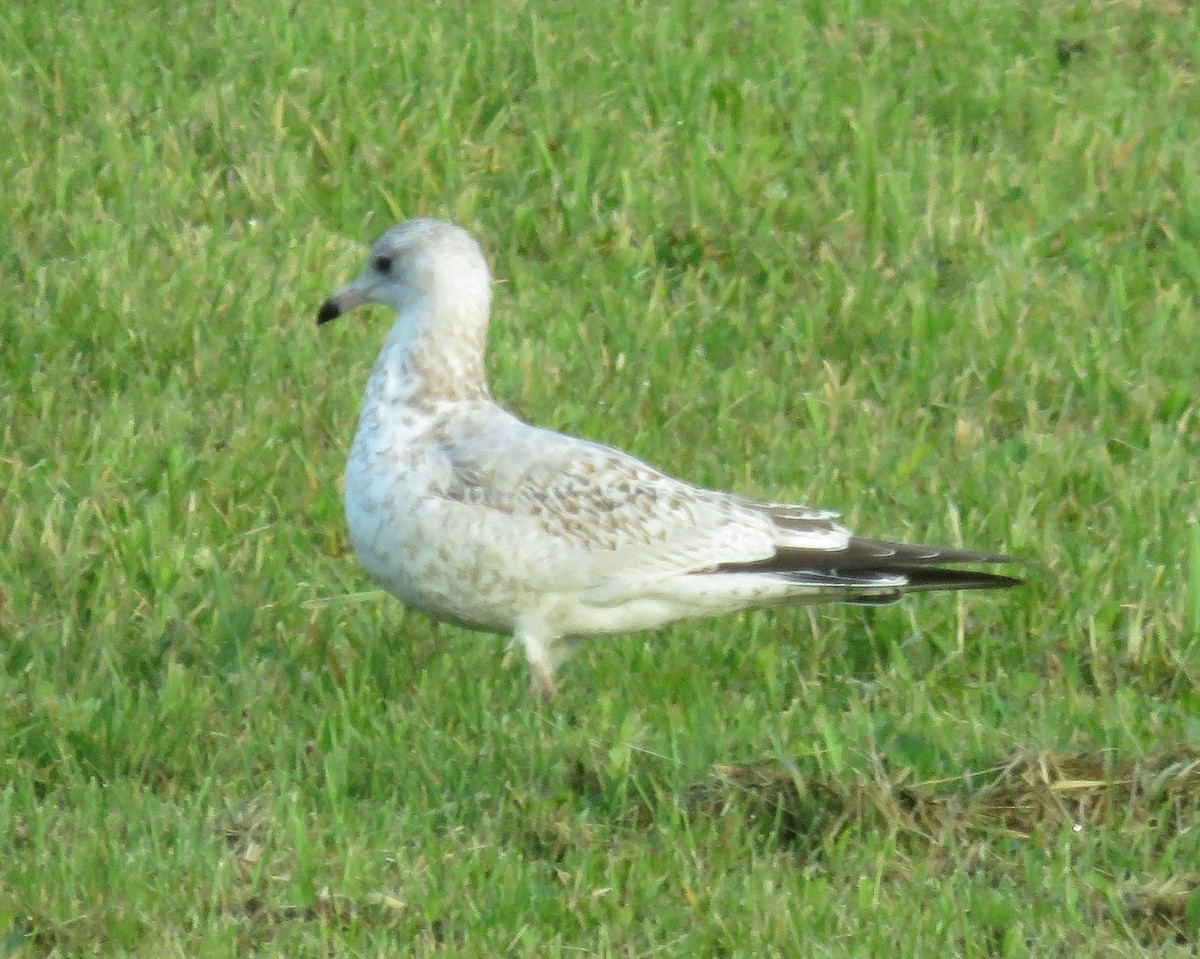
{"x": 467, "y": 513}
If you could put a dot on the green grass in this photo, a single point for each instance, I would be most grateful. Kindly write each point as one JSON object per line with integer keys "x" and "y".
{"x": 933, "y": 264}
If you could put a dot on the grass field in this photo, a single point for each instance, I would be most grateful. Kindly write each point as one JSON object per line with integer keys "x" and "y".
{"x": 933, "y": 264}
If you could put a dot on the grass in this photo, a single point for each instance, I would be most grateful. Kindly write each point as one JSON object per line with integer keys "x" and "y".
{"x": 935, "y": 265}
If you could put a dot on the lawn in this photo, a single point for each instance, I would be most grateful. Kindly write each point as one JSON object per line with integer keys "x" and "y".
{"x": 935, "y": 265}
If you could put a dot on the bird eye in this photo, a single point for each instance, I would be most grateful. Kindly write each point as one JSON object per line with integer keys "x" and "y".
{"x": 383, "y": 264}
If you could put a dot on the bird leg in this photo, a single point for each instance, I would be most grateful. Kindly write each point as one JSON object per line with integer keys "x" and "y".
{"x": 541, "y": 657}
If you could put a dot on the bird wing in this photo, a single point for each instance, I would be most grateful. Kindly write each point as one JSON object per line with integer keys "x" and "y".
{"x": 624, "y": 516}
{"x": 601, "y": 520}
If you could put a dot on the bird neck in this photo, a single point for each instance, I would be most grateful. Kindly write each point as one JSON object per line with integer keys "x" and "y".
{"x": 434, "y": 354}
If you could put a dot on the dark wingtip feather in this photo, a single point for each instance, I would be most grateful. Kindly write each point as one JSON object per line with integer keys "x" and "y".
{"x": 863, "y": 553}
{"x": 935, "y": 577}
{"x": 864, "y": 559}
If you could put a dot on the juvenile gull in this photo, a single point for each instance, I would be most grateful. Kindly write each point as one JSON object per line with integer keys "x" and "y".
{"x": 463, "y": 511}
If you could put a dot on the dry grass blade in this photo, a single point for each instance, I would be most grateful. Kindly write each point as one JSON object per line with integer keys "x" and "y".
{"x": 1030, "y": 791}
{"x": 1025, "y": 794}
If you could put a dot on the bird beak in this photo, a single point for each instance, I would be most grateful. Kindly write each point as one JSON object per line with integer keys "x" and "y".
{"x": 344, "y": 300}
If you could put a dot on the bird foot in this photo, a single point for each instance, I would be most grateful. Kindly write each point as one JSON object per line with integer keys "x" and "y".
{"x": 542, "y": 686}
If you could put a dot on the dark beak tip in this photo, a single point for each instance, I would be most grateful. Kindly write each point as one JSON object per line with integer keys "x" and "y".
{"x": 329, "y": 311}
